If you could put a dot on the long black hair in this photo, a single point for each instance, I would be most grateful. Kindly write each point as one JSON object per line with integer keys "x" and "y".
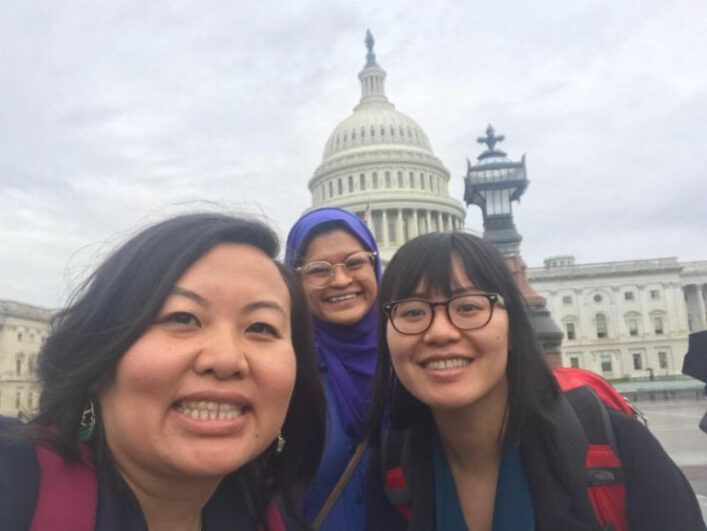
{"x": 428, "y": 258}
{"x": 118, "y": 303}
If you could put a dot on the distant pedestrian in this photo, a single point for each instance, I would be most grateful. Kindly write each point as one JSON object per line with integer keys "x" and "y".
{"x": 695, "y": 364}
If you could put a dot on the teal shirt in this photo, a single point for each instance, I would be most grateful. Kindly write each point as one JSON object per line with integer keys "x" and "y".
{"x": 513, "y": 509}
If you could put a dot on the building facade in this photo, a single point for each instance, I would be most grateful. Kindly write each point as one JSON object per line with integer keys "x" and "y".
{"x": 627, "y": 319}
{"x": 378, "y": 164}
{"x": 23, "y": 330}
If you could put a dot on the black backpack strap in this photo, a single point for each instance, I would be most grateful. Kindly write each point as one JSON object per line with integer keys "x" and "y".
{"x": 594, "y": 418}
{"x": 396, "y": 454}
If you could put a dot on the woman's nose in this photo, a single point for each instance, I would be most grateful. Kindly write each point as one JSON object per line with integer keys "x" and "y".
{"x": 341, "y": 276}
{"x": 223, "y": 355}
{"x": 441, "y": 328}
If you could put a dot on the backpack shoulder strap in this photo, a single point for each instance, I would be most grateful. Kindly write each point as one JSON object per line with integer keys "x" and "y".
{"x": 395, "y": 461}
{"x": 67, "y": 496}
{"x": 602, "y": 467}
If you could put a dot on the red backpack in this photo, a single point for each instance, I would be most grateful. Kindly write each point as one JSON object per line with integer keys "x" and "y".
{"x": 74, "y": 509}
{"x": 589, "y": 395}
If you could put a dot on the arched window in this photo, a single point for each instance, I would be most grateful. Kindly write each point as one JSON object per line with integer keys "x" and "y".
{"x": 387, "y": 179}
{"x": 340, "y": 186}
{"x": 375, "y": 180}
{"x": 412, "y": 181}
{"x": 400, "y": 179}
{"x": 362, "y": 181}
{"x": 600, "y": 323}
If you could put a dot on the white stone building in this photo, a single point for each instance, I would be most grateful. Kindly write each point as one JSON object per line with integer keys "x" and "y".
{"x": 624, "y": 319}
{"x": 23, "y": 330}
{"x": 378, "y": 164}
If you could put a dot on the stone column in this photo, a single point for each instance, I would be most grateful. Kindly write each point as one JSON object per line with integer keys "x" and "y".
{"x": 415, "y": 224}
{"x": 399, "y": 227}
{"x": 384, "y": 222}
{"x": 429, "y": 221}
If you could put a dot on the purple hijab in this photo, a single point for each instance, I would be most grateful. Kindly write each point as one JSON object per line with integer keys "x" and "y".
{"x": 348, "y": 351}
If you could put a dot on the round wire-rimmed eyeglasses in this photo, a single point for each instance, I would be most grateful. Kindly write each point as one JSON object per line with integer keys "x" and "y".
{"x": 467, "y": 311}
{"x": 320, "y": 273}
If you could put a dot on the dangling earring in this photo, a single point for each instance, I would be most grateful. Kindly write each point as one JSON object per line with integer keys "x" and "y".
{"x": 280, "y": 443}
{"x": 88, "y": 422}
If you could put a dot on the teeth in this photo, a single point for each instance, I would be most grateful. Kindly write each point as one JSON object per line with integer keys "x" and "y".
{"x": 206, "y": 410}
{"x": 342, "y": 298}
{"x": 447, "y": 364}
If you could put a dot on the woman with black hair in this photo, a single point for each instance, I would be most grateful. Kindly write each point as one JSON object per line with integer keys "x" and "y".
{"x": 179, "y": 391}
{"x": 469, "y": 426}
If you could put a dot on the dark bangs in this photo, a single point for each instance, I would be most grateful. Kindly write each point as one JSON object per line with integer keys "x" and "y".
{"x": 427, "y": 260}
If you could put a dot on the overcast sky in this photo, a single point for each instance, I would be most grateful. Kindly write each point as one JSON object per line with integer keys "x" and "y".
{"x": 116, "y": 114}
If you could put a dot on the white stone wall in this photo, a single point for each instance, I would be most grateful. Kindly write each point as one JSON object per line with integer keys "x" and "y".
{"x": 23, "y": 330}
{"x": 643, "y": 304}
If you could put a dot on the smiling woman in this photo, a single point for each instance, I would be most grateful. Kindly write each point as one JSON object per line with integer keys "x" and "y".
{"x": 185, "y": 366}
{"x": 336, "y": 256}
{"x": 469, "y": 428}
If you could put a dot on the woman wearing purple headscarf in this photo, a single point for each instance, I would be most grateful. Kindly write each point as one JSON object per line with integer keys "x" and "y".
{"x": 337, "y": 259}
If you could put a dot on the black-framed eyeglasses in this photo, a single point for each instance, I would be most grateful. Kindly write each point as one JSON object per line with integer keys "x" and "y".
{"x": 468, "y": 311}
{"x": 320, "y": 273}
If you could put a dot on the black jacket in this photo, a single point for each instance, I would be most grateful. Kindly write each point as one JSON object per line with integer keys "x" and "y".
{"x": 658, "y": 496}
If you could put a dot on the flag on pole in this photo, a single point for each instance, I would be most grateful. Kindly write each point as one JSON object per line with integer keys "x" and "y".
{"x": 367, "y": 215}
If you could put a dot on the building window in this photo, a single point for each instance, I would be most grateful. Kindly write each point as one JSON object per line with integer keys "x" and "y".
{"x": 567, "y": 299}
{"x": 628, "y": 295}
{"x": 632, "y": 327}
{"x": 658, "y": 326}
{"x": 362, "y": 182}
{"x": 340, "y": 186}
{"x": 574, "y": 362}
{"x": 387, "y": 179}
{"x": 598, "y": 298}
{"x": 375, "y": 180}
{"x": 18, "y": 399}
{"x": 655, "y": 294}
{"x": 400, "y": 179}
{"x": 606, "y": 363}
{"x": 351, "y": 186}
{"x": 637, "y": 361}
{"x": 663, "y": 360}
{"x": 571, "y": 332}
{"x": 422, "y": 181}
{"x": 19, "y": 336}
{"x": 18, "y": 363}
{"x": 412, "y": 180}
{"x": 600, "y": 321}
{"x": 331, "y": 189}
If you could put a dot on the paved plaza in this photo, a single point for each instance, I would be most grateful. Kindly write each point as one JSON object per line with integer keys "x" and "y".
{"x": 675, "y": 424}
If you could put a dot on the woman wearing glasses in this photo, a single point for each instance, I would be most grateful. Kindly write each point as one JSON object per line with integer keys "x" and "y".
{"x": 336, "y": 257}
{"x": 469, "y": 428}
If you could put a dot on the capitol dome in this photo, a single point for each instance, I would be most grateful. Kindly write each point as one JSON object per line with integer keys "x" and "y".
{"x": 378, "y": 163}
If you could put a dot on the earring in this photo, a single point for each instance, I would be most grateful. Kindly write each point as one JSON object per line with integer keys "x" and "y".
{"x": 280, "y": 446}
{"x": 88, "y": 422}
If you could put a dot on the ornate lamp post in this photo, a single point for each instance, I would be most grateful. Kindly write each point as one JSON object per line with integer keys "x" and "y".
{"x": 492, "y": 184}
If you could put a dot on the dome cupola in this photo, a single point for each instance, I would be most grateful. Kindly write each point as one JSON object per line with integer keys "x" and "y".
{"x": 379, "y": 162}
